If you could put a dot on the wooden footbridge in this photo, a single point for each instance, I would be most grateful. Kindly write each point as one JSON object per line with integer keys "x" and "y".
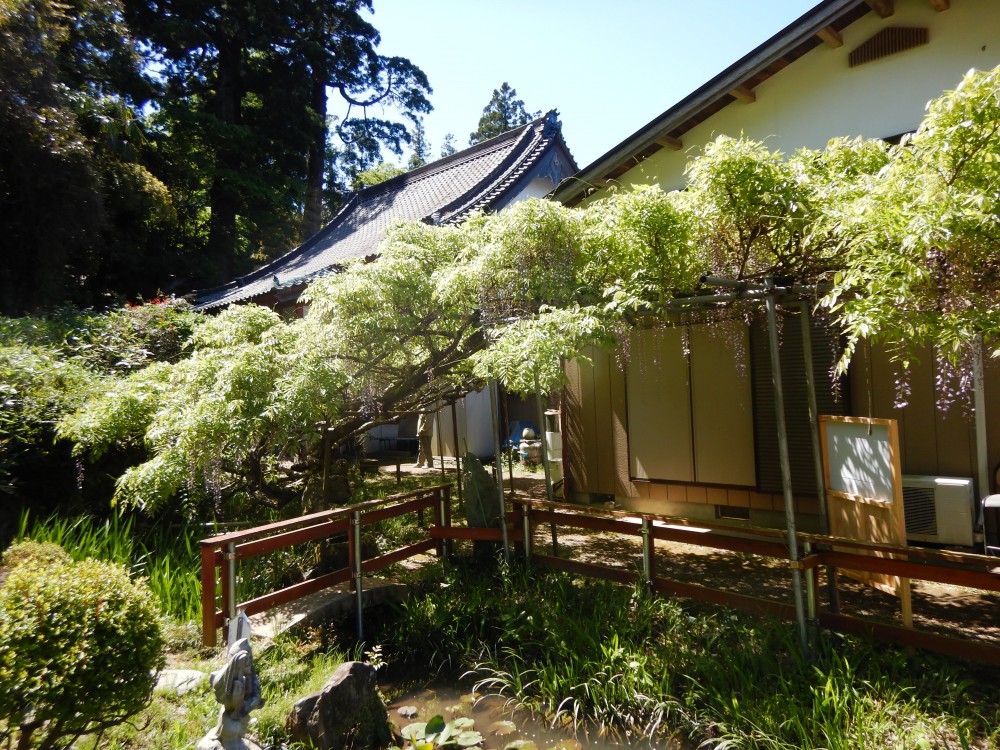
{"x": 351, "y": 587}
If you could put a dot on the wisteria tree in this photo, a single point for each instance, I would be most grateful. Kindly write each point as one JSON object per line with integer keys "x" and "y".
{"x": 921, "y": 239}
{"x": 904, "y": 235}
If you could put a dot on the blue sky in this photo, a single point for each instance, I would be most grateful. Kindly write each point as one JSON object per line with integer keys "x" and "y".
{"x": 608, "y": 66}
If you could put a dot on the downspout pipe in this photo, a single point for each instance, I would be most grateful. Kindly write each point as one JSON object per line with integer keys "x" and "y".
{"x": 982, "y": 446}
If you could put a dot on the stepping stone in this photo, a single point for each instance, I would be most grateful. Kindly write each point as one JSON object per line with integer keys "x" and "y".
{"x": 181, "y": 681}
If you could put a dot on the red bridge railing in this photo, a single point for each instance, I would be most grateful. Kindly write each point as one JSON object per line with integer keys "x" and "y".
{"x": 221, "y": 555}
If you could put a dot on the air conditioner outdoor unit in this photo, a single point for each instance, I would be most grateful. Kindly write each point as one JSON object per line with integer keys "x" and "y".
{"x": 939, "y": 509}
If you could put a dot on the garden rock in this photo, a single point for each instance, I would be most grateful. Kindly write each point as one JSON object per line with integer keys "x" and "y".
{"x": 180, "y": 681}
{"x": 347, "y": 713}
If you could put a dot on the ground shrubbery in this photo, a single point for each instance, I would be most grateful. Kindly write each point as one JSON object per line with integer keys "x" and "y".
{"x": 587, "y": 651}
{"x": 79, "y": 643}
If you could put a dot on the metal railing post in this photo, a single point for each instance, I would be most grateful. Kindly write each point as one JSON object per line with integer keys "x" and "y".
{"x": 231, "y": 588}
{"x": 442, "y": 545}
{"x": 647, "y": 553}
{"x": 356, "y": 578}
{"x": 526, "y": 522}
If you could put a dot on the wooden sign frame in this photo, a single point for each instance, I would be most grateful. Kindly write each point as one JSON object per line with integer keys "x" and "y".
{"x": 864, "y": 490}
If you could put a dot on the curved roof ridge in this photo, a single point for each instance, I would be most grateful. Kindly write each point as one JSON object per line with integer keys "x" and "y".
{"x": 433, "y": 168}
{"x": 545, "y": 135}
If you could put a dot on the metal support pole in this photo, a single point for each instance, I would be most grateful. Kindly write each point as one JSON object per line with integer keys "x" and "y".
{"x": 356, "y": 574}
{"x": 526, "y": 521}
{"x": 458, "y": 452}
{"x": 979, "y": 406}
{"x": 325, "y": 447}
{"x": 231, "y": 593}
{"x": 817, "y": 452}
{"x": 786, "y": 472}
{"x": 499, "y": 472}
{"x": 440, "y": 442}
{"x": 545, "y": 447}
{"x": 647, "y": 553}
{"x": 443, "y": 509}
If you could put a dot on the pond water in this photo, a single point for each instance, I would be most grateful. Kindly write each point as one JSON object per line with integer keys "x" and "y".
{"x": 501, "y": 728}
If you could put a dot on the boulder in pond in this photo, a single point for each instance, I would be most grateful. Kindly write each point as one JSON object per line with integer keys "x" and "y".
{"x": 347, "y": 713}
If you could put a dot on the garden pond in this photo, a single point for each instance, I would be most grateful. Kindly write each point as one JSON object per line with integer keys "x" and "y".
{"x": 431, "y": 717}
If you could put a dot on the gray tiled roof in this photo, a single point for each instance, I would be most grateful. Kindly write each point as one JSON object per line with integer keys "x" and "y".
{"x": 445, "y": 191}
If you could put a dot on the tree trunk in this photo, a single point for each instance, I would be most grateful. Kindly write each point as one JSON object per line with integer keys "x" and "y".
{"x": 312, "y": 217}
{"x": 224, "y": 196}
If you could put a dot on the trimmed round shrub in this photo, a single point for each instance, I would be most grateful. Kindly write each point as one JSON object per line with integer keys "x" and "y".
{"x": 79, "y": 643}
{"x": 28, "y": 551}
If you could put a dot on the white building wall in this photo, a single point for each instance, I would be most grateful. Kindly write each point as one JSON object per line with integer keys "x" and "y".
{"x": 819, "y": 97}
{"x": 537, "y": 188}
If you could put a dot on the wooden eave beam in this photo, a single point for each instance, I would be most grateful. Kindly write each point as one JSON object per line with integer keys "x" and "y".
{"x": 940, "y": 5}
{"x": 883, "y": 7}
{"x": 832, "y": 37}
{"x": 668, "y": 141}
{"x": 744, "y": 94}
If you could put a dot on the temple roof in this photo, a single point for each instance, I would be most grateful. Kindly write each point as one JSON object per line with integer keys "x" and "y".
{"x": 486, "y": 176}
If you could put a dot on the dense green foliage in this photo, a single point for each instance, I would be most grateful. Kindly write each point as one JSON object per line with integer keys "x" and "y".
{"x": 30, "y": 552}
{"x": 79, "y": 643}
{"x": 170, "y": 145}
{"x": 80, "y": 211}
{"x": 49, "y": 366}
{"x": 920, "y": 262}
{"x": 164, "y": 556}
{"x": 585, "y": 652}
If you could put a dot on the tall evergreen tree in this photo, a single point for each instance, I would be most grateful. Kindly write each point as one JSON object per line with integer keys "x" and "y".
{"x": 448, "y": 145}
{"x": 247, "y": 82}
{"x": 504, "y": 112}
{"x": 418, "y": 142}
{"x": 76, "y": 204}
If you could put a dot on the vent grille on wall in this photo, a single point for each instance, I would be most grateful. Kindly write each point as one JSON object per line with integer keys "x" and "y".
{"x": 921, "y": 513}
{"x": 888, "y": 42}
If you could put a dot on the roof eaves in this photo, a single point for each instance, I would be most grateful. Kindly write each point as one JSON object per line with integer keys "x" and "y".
{"x": 244, "y": 282}
{"x": 793, "y": 35}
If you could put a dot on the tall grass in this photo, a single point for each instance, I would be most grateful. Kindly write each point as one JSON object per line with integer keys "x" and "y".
{"x": 167, "y": 557}
{"x": 586, "y": 652}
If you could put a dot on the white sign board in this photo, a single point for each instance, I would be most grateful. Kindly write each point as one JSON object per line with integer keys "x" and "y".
{"x": 860, "y": 460}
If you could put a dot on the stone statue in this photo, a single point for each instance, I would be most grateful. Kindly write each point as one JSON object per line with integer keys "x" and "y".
{"x": 425, "y": 429}
{"x": 237, "y": 688}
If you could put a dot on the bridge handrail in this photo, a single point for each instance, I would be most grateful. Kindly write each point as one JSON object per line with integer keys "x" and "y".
{"x": 223, "y": 551}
